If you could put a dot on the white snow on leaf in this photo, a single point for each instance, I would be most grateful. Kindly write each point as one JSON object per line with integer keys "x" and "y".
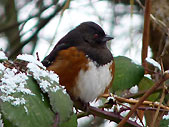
{"x": 26, "y": 109}
{"x": 13, "y": 82}
{"x": 2, "y": 56}
{"x": 166, "y": 116}
{"x": 2, "y": 68}
{"x": 31, "y": 59}
{"x": 44, "y": 85}
{"x": 153, "y": 62}
{"x": 18, "y": 101}
{"x": 1, "y": 121}
{"x": 48, "y": 80}
{"x": 147, "y": 76}
{"x": 134, "y": 89}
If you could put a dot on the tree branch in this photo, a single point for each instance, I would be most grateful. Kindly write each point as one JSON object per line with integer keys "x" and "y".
{"x": 146, "y": 32}
{"x": 42, "y": 23}
{"x": 161, "y": 81}
{"x": 16, "y": 24}
{"x": 141, "y": 93}
{"x": 112, "y": 116}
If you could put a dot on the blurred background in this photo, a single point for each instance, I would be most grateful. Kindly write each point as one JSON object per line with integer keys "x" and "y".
{"x": 31, "y": 26}
{"x": 35, "y": 26}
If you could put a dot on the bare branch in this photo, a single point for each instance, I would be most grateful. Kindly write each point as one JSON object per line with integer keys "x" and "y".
{"x": 42, "y": 23}
{"x": 145, "y": 96}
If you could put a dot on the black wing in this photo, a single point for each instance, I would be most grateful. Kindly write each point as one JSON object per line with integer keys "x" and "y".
{"x": 53, "y": 54}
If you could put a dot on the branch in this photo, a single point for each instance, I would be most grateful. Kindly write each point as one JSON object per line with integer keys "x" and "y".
{"x": 6, "y": 28}
{"x": 141, "y": 93}
{"x": 42, "y": 23}
{"x": 146, "y": 32}
{"x": 112, "y": 116}
{"x": 144, "y": 97}
{"x": 145, "y": 103}
{"x": 160, "y": 23}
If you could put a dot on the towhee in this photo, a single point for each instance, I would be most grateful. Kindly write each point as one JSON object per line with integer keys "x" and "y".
{"x": 83, "y": 62}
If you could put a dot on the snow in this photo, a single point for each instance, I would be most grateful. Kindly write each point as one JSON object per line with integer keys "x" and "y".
{"x": 13, "y": 82}
{"x": 153, "y": 62}
{"x": 134, "y": 89}
{"x": 13, "y": 100}
{"x": 147, "y": 76}
{"x": 2, "y": 56}
{"x": 166, "y": 116}
{"x": 1, "y": 121}
{"x": 38, "y": 73}
{"x": 2, "y": 68}
{"x": 44, "y": 85}
{"x": 30, "y": 58}
{"x": 48, "y": 80}
{"x": 26, "y": 109}
{"x": 166, "y": 72}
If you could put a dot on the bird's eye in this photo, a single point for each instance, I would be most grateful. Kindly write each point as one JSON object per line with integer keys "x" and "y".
{"x": 96, "y": 35}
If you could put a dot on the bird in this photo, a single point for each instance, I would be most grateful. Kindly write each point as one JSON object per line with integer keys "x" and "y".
{"x": 83, "y": 62}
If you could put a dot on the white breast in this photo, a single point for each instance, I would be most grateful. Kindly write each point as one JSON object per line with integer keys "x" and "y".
{"x": 93, "y": 82}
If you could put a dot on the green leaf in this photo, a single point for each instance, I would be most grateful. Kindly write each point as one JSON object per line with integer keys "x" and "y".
{"x": 62, "y": 104}
{"x": 145, "y": 84}
{"x": 59, "y": 99}
{"x": 127, "y": 74}
{"x": 164, "y": 123}
{"x": 72, "y": 122}
{"x": 35, "y": 112}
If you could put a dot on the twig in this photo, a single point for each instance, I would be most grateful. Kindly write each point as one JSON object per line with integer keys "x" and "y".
{"x": 158, "y": 109}
{"x": 147, "y": 94}
{"x": 146, "y": 32}
{"x": 145, "y": 103}
{"x": 6, "y": 28}
{"x": 161, "y": 99}
{"x": 37, "y": 55}
{"x": 162, "y": 25}
{"x": 140, "y": 93}
{"x": 112, "y": 116}
{"x": 42, "y": 23}
{"x": 56, "y": 120}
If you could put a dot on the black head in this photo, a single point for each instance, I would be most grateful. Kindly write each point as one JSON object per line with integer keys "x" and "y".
{"x": 87, "y": 37}
{"x": 92, "y": 33}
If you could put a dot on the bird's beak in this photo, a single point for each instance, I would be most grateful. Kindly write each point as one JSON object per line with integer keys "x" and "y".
{"x": 107, "y": 38}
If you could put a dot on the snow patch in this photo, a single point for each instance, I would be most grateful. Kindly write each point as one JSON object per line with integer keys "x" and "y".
{"x": 31, "y": 59}
{"x": 153, "y": 62}
{"x": 26, "y": 109}
{"x": 2, "y": 56}
{"x": 134, "y": 89}
{"x": 47, "y": 80}
{"x": 1, "y": 121}
{"x": 13, "y": 82}
{"x": 2, "y": 68}
{"x": 166, "y": 116}
{"x": 147, "y": 76}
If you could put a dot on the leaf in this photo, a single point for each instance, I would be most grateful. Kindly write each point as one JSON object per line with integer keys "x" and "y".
{"x": 145, "y": 84}
{"x": 59, "y": 99}
{"x": 62, "y": 104}
{"x": 164, "y": 123}
{"x": 72, "y": 122}
{"x": 127, "y": 74}
{"x": 35, "y": 112}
